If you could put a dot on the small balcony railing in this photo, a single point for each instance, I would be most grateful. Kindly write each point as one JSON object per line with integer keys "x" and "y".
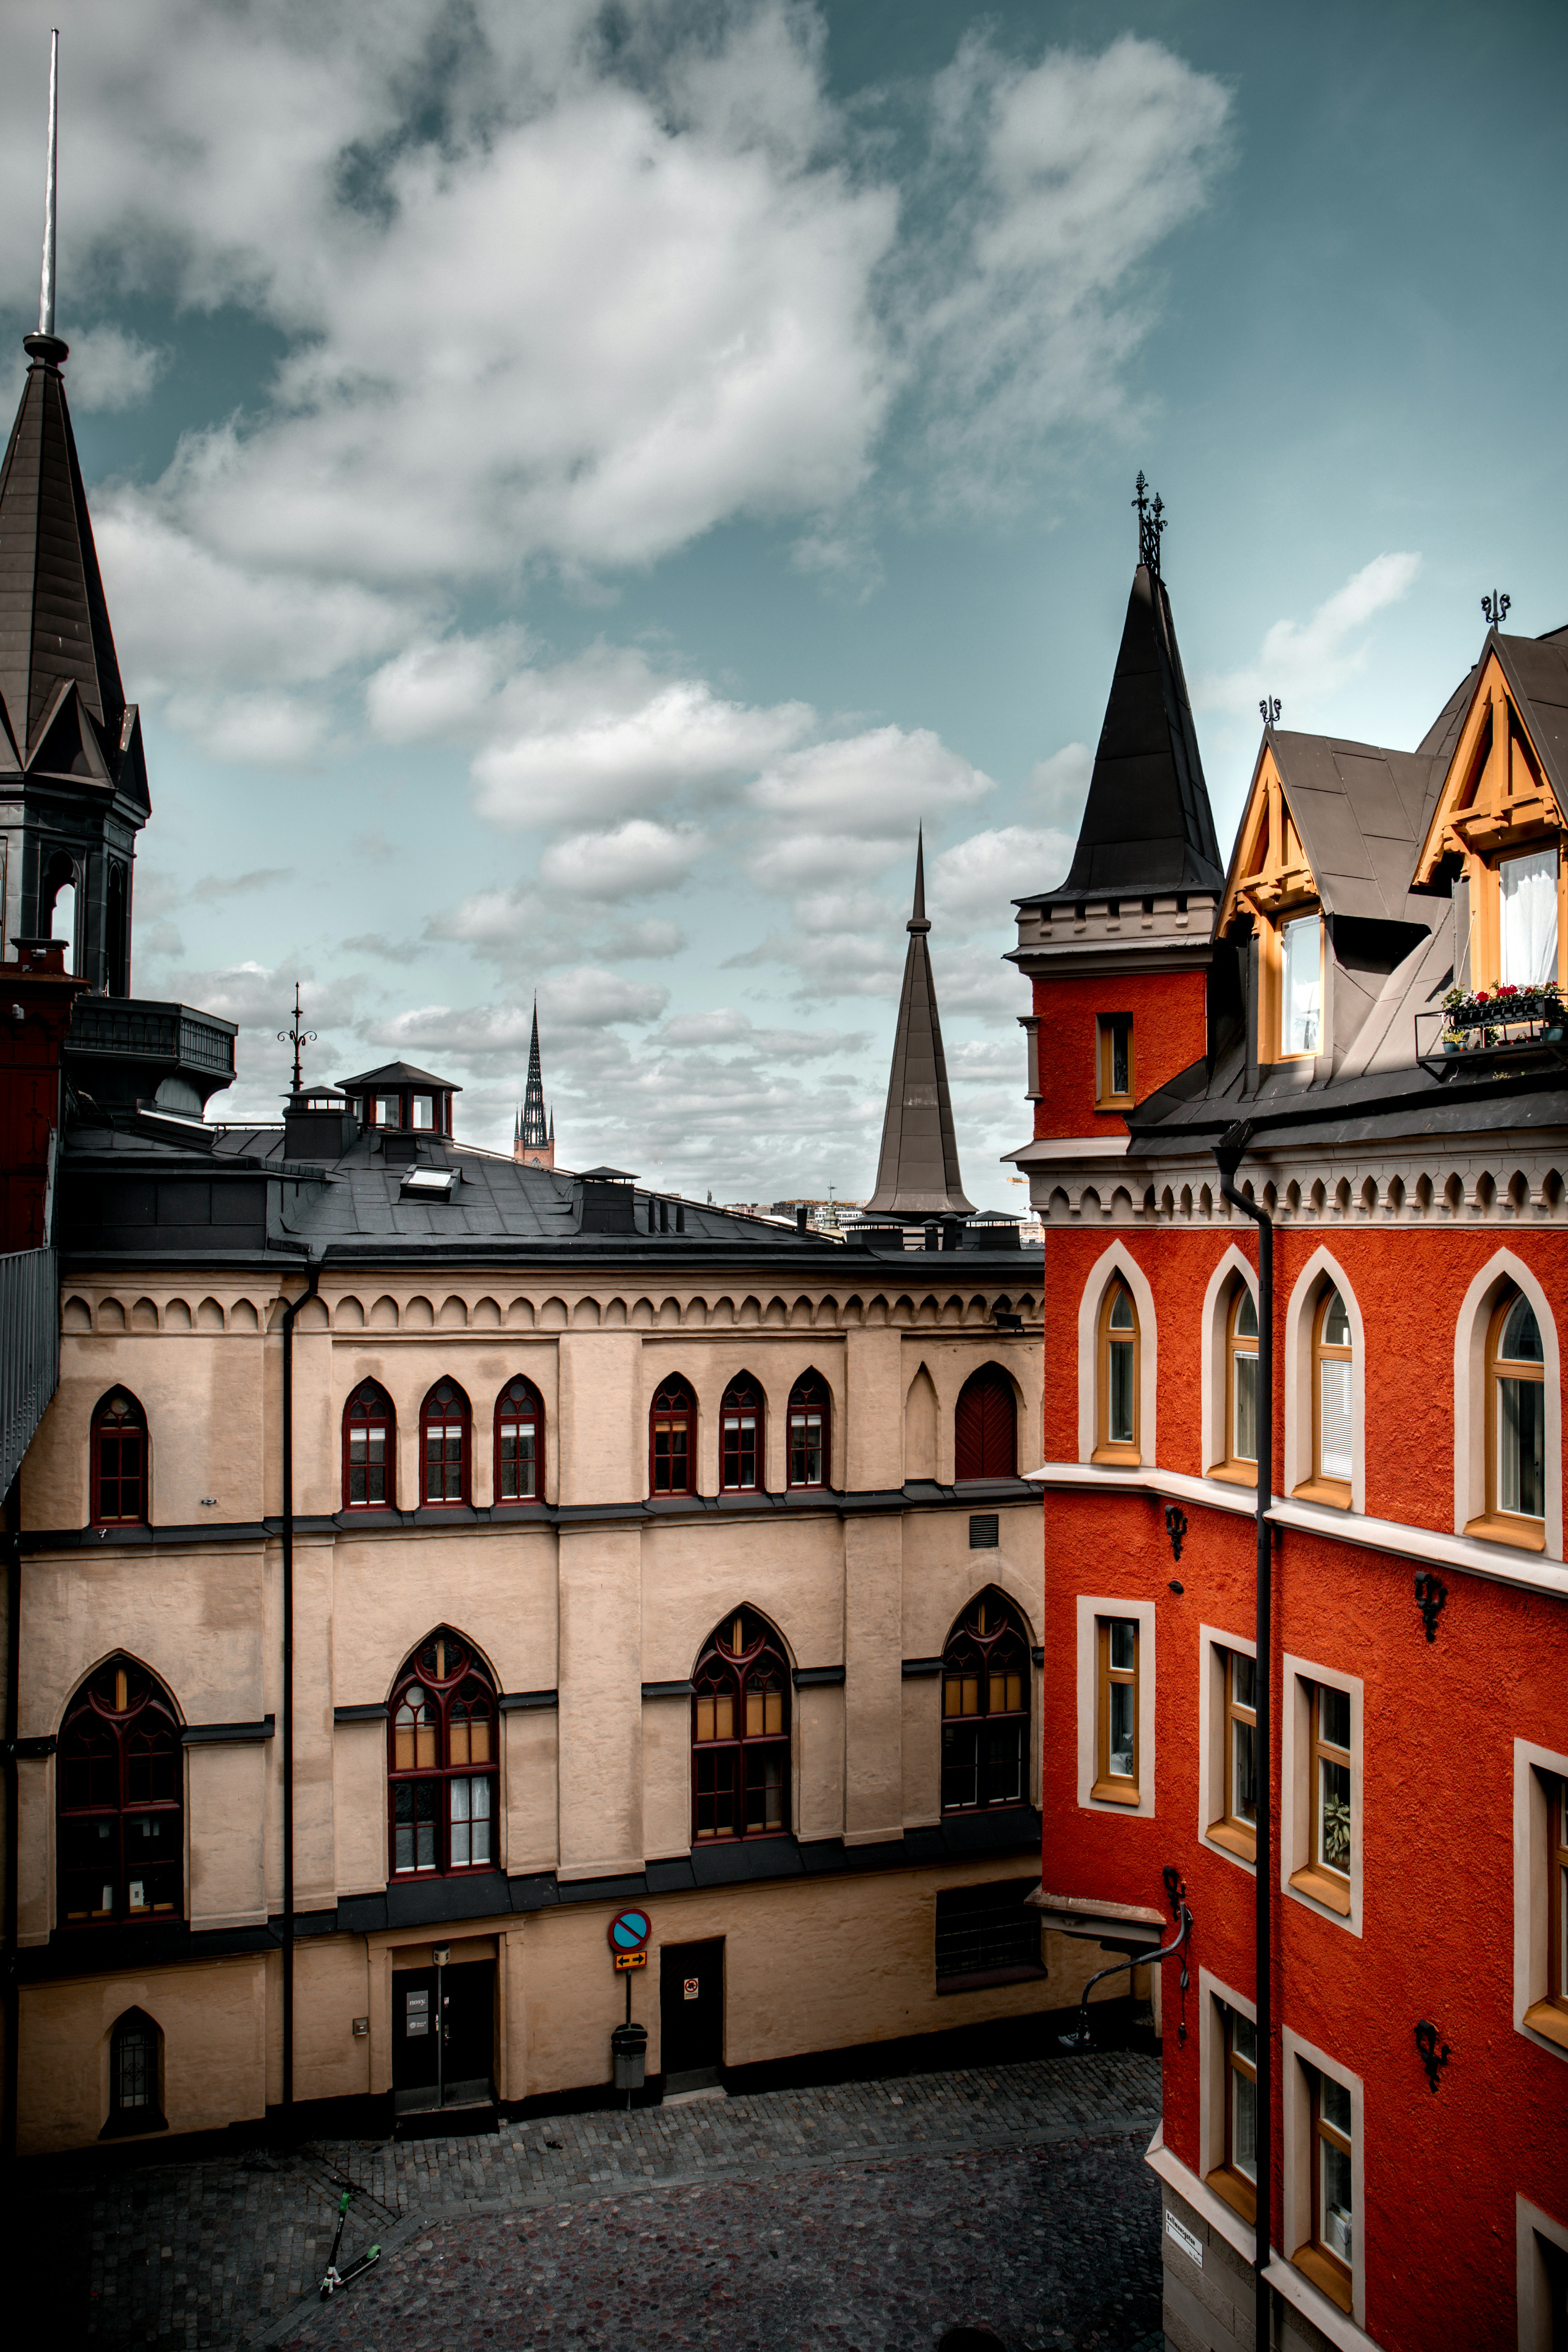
{"x": 1470, "y": 1038}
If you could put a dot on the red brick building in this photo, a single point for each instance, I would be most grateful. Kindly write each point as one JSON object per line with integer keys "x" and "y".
{"x": 1361, "y": 1769}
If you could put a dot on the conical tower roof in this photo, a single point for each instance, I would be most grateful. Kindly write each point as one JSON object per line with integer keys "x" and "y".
{"x": 54, "y": 618}
{"x": 918, "y": 1174}
{"x": 1147, "y": 824}
{"x": 532, "y": 1131}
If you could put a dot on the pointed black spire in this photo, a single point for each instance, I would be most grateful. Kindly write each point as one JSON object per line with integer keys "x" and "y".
{"x": 918, "y": 1174}
{"x": 1147, "y": 824}
{"x": 532, "y": 1133}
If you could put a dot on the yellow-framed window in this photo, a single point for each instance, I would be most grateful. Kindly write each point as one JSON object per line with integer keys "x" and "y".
{"x": 1116, "y": 1710}
{"x": 1118, "y": 1369}
{"x": 1115, "y": 1075}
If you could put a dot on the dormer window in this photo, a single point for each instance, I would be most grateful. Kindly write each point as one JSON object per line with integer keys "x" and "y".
{"x": 1498, "y": 816}
{"x": 387, "y": 1110}
{"x": 1527, "y": 928}
{"x": 1301, "y": 986}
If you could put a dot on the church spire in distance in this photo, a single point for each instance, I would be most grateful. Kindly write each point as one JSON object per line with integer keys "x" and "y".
{"x": 918, "y": 1174}
{"x": 534, "y": 1143}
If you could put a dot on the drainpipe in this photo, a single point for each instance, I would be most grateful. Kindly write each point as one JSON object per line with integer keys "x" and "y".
{"x": 291, "y": 1310}
{"x": 1229, "y": 1152}
{"x": 13, "y": 2013}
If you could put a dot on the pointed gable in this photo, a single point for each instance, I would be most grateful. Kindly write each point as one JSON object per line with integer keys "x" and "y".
{"x": 1332, "y": 824}
{"x": 54, "y": 618}
{"x": 918, "y": 1174}
{"x": 1506, "y": 778}
{"x": 1147, "y": 824}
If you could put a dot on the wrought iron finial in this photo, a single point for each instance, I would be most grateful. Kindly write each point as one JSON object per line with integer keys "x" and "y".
{"x": 1431, "y": 1597}
{"x": 1432, "y": 2057}
{"x": 1269, "y": 710}
{"x": 47, "y": 281}
{"x": 1151, "y": 526}
{"x": 298, "y": 1038}
{"x": 1495, "y": 609}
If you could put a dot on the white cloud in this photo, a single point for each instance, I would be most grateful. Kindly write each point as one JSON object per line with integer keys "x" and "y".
{"x": 635, "y": 860}
{"x": 654, "y": 940}
{"x": 108, "y": 368}
{"x": 977, "y": 880}
{"x": 591, "y": 998}
{"x": 870, "y": 783}
{"x": 441, "y": 688}
{"x": 1061, "y": 784}
{"x": 1304, "y": 661}
{"x": 268, "y": 730}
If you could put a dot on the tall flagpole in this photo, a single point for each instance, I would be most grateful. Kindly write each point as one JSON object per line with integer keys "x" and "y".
{"x": 46, "y": 282}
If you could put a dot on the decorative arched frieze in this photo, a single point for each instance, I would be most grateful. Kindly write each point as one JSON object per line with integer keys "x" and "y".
{"x": 76, "y": 1315}
{"x": 1116, "y": 1260}
{"x": 383, "y": 1314}
{"x": 454, "y": 1315}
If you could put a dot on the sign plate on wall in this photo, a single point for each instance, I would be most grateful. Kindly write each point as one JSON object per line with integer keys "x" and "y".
{"x": 1186, "y": 2239}
{"x": 693, "y": 1986}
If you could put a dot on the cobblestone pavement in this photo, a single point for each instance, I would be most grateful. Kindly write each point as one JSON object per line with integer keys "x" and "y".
{"x": 868, "y": 2215}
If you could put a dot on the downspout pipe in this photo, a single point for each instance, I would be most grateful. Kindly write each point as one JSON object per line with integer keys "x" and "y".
{"x": 9, "y": 1516}
{"x": 1229, "y": 1153}
{"x": 290, "y": 1311}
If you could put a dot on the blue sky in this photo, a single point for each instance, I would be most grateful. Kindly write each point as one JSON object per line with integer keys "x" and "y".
{"x": 577, "y": 485}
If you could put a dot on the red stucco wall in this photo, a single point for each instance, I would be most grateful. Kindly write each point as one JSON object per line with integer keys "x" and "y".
{"x": 1441, "y": 2171}
{"x": 1168, "y": 1033}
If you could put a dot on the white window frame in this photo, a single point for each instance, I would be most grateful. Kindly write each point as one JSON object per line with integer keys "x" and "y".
{"x": 1470, "y": 1416}
{"x": 1322, "y": 1269}
{"x": 1091, "y": 1608}
{"x": 1212, "y": 1645}
{"x": 1296, "y": 2054}
{"x": 1533, "y": 2285}
{"x": 1117, "y": 1261}
{"x": 1296, "y": 1787}
{"x": 1532, "y": 1891}
{"x": 1213, "y": 2091}
{"x": 1214, "y": 1346}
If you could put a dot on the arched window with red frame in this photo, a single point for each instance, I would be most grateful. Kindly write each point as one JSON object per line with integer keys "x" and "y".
{"x": 121, "y": 1809}
{"x": 810, "y": 1454}
{"x": 741, "y": 1434}
{"x": 119, "y": 1461}
{"x": 443, "y": 1444}
{"x": 672, "y": 1440}
{"x": 370, "y": 1450}
{"x": 442, "y": 1753}
{"x": 986, "y": 1427}
{"x": 740, "y": 1733}
{"x": 985, "y": 1708}
{"x": 520, "y": 1442}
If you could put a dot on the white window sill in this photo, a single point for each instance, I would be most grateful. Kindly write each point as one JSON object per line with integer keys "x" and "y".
{"x": 1222, "y": 2219}
{"x": 1313, "y": 2305}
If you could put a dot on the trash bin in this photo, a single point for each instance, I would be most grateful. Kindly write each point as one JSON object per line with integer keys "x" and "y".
{"x": 628, "y": 2048}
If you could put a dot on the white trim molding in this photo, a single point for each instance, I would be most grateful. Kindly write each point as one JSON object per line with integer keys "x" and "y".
{"x": 1534, "y": 2290}
{"x": 1321, "y": 1269}
{"x": 1295, "y": 2054}
{"x": 1221, "y": 2219}
{"x": 1213, "y": 2090}
{"x": 1212, "y": 1645}
{"x": 1470, "y": 1393}
{"x": 1214, "y": 1370}
{"x": 1531, "y": 1885}
{"x": 1296, "y": 1784}
{"x": 1090, "y": 1608}
{"x": 1116, "y": 1260}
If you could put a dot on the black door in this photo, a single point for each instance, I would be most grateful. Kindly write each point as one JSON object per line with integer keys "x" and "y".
{"x": 691, "y": 2014}
{"x": 458, "y": 2004}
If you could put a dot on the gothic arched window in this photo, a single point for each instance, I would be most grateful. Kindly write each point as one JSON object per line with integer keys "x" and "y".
{"x": 985, "y": 1708}
{"x": 135, "y": 2076}
{"x": 443, "y": 1757}
{"x": 120, "y": 1812}
{"x": 985, "y": 1429}
{"x": 672, "y": 1440}
{"x": 1516, "y": 1411}
{"x": 443, "y": 1444}
{"x": 119, "y": 1461}
{"x": 810, "y": 1432}
{"x": 740, "y": 1733}
{"x": 370, "y": 1450}
{"x": 520, "y": 1442}
{"x": 741, "y": 1431}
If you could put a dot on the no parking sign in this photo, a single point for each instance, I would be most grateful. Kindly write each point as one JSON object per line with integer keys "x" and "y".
{"x": 627, "y": 1934}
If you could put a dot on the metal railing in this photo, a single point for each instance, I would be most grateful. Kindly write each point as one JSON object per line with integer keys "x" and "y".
{"x": 29, "y": 1350}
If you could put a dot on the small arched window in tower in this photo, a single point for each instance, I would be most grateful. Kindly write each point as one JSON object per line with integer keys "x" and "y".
{"x": 1332, "y": 1370}
{"x": 1241, "y": 1386}
{"x": 135, "y": 2076}
{"x": 740, "y": 1733}
{"x": 1516, "y": 1401}
{"x": 672, "y": 1440}
{"x": 810, "y": 1431}
{"x": 120, "y": 1813}
{"x": 444, "y": 1444}
{"x": 985, "y": 1708}
{"x": 985, "y": 1426}
{"x": 443, "y": 1762}
{"x": 119, "y": 1461}
{"x": 741, "y": 1437}
{"x": 370, "y": 1431}
{"x": 1117, "y": 1378}
{"x": 520, "y": 1442}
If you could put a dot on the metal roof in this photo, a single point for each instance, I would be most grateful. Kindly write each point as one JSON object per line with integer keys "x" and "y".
{"x": 397, "y": 1074}
{"x": 918, "y": 1173}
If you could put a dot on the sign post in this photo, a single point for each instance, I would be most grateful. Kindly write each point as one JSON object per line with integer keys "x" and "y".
{"x": 627, "y": 1936}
